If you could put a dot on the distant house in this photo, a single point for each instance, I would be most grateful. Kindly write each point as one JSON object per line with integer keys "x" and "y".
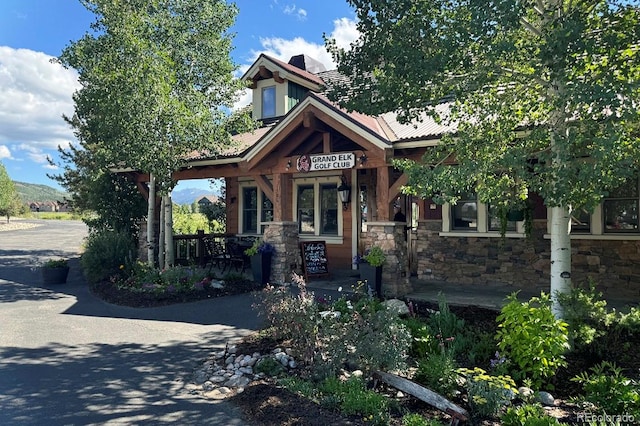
{"x": 205, "y": 201}
{"x": 48, "y": 206}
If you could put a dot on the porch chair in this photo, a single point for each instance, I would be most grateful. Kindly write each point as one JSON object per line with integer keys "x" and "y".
{"x": 216, "y": 254}
{"x": 236, "y": 256}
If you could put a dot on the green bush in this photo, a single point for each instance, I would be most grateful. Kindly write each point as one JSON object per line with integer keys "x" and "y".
{"x": 105, "y": 252}
{"x": 353, "y": 398}
{"x": 269, "y": 366}
{"x": 487, "y": 394}
{"x": 609, "y": 391}
{"x": 532, "y": 338}
{"x": 360, "y": 333}
{"x": 417, "y": 420}
{"x": 421, "y": 339}
{"x": 527, "y": 415}
{"x": 438, "y": 372}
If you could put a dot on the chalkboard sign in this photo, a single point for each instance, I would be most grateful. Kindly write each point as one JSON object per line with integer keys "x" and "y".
{"x": 314, "y": 258}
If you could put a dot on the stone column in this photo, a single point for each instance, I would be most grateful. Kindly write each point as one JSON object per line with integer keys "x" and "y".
{"x": 391, "y": 238}
{"x": 284, "y": 237}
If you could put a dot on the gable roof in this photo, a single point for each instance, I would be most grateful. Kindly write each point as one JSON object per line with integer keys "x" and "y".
{"x": 285, "y": 71}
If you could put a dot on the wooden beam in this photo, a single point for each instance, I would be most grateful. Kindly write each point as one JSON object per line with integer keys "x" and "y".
{"x": 281, "y": 197}
{"x": 424, "y": 394}
{"x": 382, "y": 189}
{"x": 326, "y": 142}
{"x": 277, "y": 78}
{"x": 266, "y": 187}
{"x": 264, "y": 72}
{"x": 394, "y": 191}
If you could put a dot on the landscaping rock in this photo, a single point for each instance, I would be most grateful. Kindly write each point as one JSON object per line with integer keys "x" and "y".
{"x": 545, "y": 398}
{"x": 397, "y": 306}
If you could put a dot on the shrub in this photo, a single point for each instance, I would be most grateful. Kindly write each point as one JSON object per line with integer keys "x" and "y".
{"x": 269, "y": 366}
{"x": 527, "y": 415}
{"x": 487, "y": 394}
{"x": 586, "y": 314}
{"x": 438, "y": 372}
{"x": 421, "y": 339}
{"x": 609, "y": 391}
{"x": 359, "y": 332}
{"x": 417, "y": 420}
{"x": 353, "y": 398}
{"x": 532, "y": 338}
{"x": 104, "y": 252}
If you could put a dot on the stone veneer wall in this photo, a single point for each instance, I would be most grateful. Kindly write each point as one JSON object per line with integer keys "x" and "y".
{"x": 525, "y": 263}
{"x": 391, "y": 238}
{"x": 284, "y": 237}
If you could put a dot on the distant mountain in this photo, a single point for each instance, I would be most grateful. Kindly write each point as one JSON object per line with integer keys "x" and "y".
{"x": 189, "y": 195}
{"x": 37, "y": 192}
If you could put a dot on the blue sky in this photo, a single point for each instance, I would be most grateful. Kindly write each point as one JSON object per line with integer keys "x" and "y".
{"x": 34, "y": 93}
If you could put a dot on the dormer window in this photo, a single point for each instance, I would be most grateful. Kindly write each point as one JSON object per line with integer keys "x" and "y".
{"x": 269, "y": 102}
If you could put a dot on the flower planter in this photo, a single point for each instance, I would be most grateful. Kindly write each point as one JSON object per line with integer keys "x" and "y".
{"x": 373, "y": 276}
{"x": 55, "y": 275}
{"x": 261, "y": 268}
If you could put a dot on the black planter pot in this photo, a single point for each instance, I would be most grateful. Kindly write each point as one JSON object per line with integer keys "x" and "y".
{"x": 261, "y": 268}
{"x": 54, "y": 275}
{"x": 373, "y": 276}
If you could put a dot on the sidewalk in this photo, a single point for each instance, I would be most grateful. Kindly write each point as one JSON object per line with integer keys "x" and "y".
{"x": 481, "y": 295}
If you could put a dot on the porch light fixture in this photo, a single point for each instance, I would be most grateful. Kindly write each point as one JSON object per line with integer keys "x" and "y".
{"x": 288, "y": 164}
{"x": 363, "y": 159}
{"x": 344, "y": 192}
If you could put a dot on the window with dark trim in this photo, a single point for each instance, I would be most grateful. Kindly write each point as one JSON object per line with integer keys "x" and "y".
{"x": 620, "y": 208}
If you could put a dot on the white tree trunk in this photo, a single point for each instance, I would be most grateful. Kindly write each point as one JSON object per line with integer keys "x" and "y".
{"x": 168, "y": 231}
{"x": 151, "y": 214}
{"x": 161, "y": 237}
{"x": 560, "y": 255}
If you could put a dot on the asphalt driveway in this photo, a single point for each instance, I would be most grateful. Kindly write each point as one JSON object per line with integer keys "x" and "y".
{"x": 67, "y": 358}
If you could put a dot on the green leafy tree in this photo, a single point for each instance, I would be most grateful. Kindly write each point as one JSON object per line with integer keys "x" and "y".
{"x": 10, "y": 203}
{"x": 108, "y": 201}
{"x": 543, "y": 95}
{"x": 157, "y": 85}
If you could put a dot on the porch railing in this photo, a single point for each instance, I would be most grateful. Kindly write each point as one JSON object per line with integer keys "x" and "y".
{"x": 190, "y": 249}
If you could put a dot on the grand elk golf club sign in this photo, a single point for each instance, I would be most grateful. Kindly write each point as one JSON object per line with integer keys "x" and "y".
{"x": 312, "y": 163}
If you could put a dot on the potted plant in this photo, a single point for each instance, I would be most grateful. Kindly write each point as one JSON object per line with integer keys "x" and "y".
{"x": 55, "y": 271}
{"x": 260, "y": 254}
{"x": 370, "y": 266}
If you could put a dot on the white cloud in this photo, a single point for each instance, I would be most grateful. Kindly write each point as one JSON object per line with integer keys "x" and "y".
{"x": 4, "y": 152}
{"x": 292, "y": 9}
{"x": 34, "y": 94}
{"x": 344, "y": 32}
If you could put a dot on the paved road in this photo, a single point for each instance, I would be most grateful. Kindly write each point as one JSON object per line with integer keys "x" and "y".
{"x": 67, "y": 358}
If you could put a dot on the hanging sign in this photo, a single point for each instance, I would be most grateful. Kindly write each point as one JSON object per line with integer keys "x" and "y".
{"x": 319, "y": 162}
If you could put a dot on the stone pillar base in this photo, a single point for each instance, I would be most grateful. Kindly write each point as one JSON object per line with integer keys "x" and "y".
{"x": 391, "y": 238}
{"x": 284, "y": 237}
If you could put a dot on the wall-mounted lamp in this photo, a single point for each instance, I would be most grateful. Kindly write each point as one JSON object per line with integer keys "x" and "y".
{"x": 344, "y": 192}
{"x": 233, "y": 200}
{"x": 288, "y": 164}
{"x": 363, "y": 160}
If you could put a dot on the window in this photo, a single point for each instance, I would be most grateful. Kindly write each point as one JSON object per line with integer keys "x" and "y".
{"x": 269, "y": 102}
{"x": 255, "y": 204}
{"x": 306, "y": 210}
{"x": 580, "y": 221}
{"x": 494, "y": 220}
{"x": 250, "y": 210}
{"x": 317, "y": 208}
{"x": 464, "y": 214}
{"x": 620, "y": 208}
{"x": 328, "y": 210}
